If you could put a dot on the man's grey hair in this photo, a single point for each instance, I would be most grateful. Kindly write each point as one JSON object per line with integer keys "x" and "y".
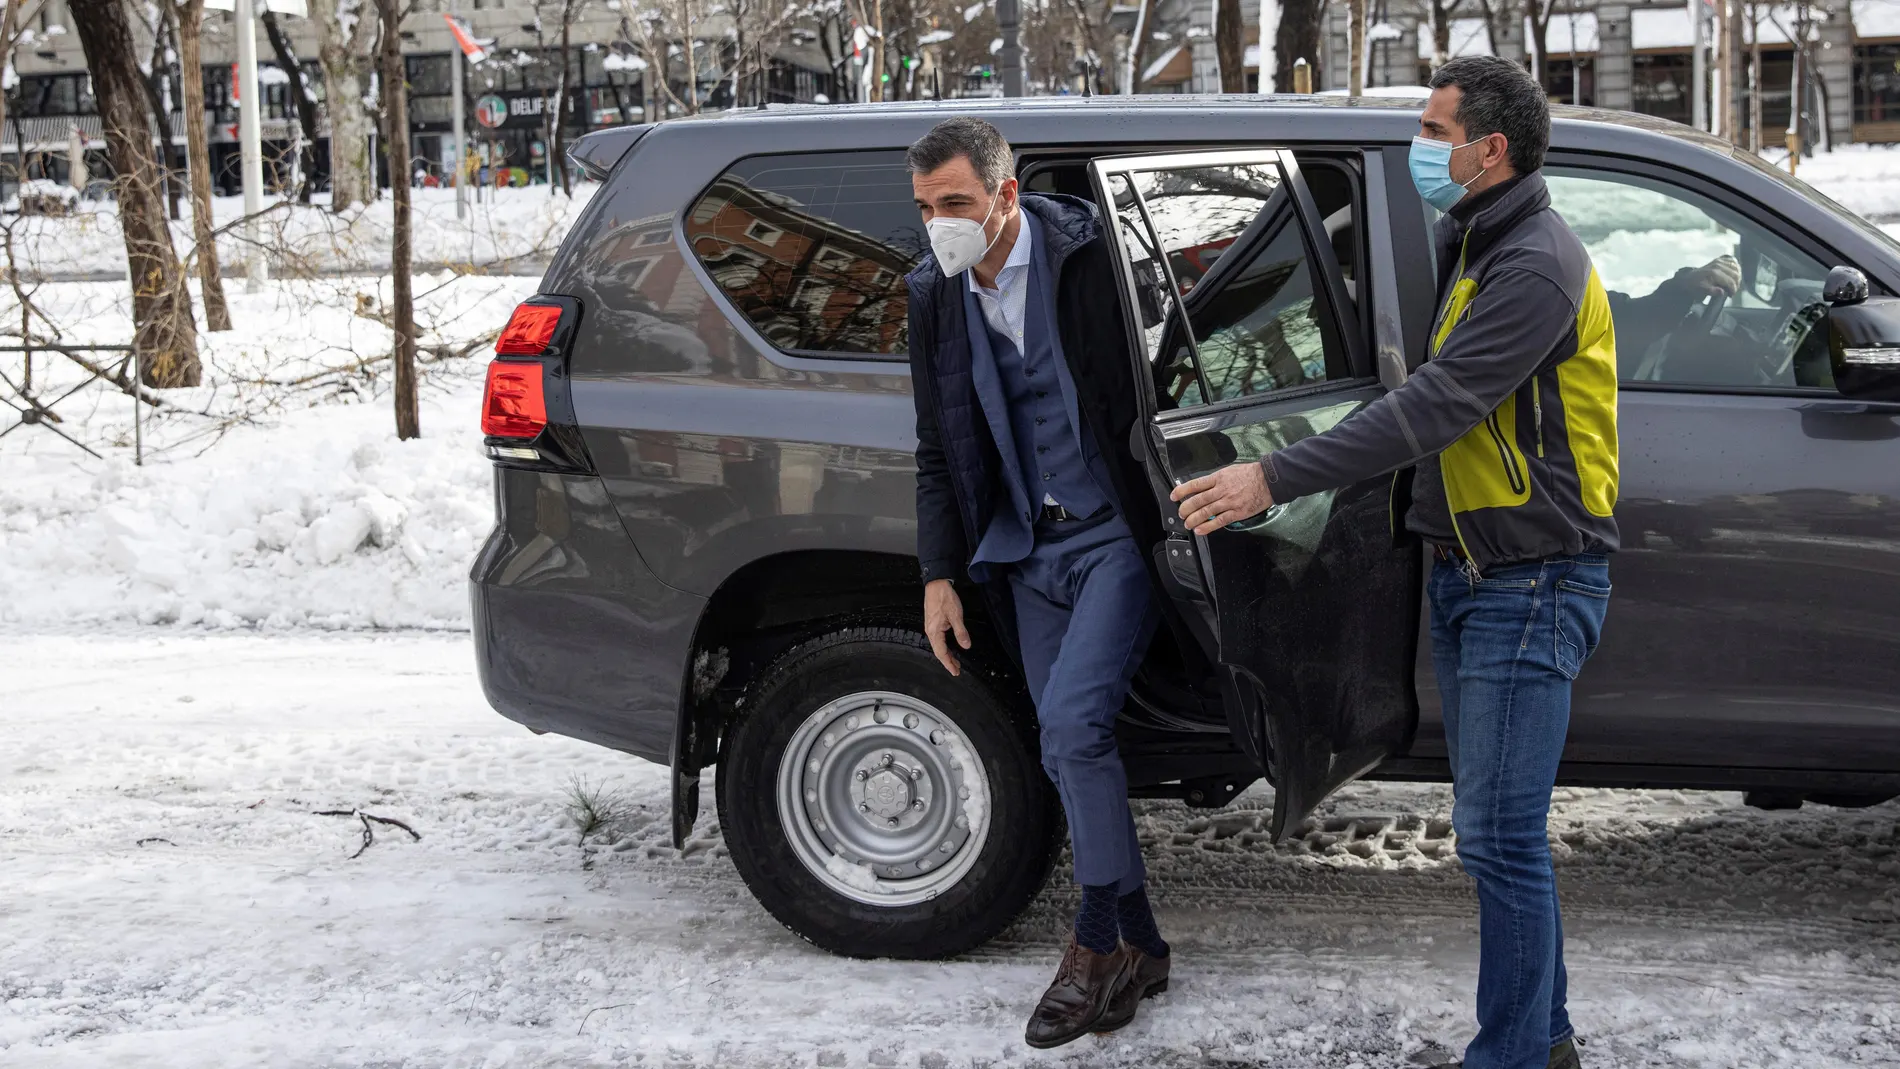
{"x": 1500, "y": 97}
{"x": 974, "y": 140}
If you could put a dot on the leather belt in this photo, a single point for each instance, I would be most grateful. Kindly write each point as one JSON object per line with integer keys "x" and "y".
{"x": 1454, "y": 554}
{"x": 1058, "y": 514}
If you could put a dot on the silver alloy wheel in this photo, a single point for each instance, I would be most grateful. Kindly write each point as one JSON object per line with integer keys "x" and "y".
{"x": 883, "y": 799}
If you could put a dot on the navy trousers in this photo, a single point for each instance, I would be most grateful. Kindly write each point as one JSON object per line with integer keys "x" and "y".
{"x": 1085, "y": 614}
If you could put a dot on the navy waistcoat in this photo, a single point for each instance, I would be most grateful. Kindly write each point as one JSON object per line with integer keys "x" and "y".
{"x": 1029, "y": 402}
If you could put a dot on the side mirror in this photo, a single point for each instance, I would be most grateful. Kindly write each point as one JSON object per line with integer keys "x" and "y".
{"x": 1844, "y": 285}
{"x": 1863, "y": 337}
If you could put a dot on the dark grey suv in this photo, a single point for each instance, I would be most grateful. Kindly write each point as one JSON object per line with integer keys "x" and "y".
{"x": 704, "y": 550}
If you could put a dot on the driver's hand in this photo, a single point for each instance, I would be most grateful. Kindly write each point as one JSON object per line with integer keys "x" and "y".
{"x": 1721, "y": 275}
{"x": 943, "y": 614}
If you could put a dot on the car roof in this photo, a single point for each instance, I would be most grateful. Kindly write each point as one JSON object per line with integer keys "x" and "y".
{"x": 1385, "y": 114}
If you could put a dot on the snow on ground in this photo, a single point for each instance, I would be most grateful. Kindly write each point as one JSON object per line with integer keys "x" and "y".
{"x": 168, "y": 898}
{"x": 510, "y": 227}
{"x": 1863, "y": 178}
{"x": 293, "y": 504}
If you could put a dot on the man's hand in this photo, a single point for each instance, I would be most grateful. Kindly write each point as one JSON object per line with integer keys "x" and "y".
{"x": 1721, "y": 275}
{"x": 943, "y": 612}
{"x": 1229, "y": 495}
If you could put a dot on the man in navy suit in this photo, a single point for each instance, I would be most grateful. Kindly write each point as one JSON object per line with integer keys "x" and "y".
{"x": 1026, "y": 487}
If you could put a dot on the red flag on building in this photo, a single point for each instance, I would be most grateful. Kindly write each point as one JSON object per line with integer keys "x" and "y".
{"x": 464, "y": 39}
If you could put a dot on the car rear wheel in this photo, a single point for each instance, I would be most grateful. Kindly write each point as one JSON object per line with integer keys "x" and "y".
{"x": 880, "y": 807}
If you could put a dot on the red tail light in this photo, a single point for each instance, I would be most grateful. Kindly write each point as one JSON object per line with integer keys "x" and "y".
{"x": 529, "y": 330}
{"x": 513, "y": 405}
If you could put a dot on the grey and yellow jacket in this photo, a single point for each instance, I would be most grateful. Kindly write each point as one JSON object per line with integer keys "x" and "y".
{"x": 1517, "y": 397}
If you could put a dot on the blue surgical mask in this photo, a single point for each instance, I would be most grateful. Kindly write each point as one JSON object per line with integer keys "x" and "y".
{"x": 1431, "y": 172}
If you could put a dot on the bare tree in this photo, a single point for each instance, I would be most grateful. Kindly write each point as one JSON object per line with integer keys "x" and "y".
{"x": 300, "y": 99}
{"x": 1540, "y": 12}
{"x": 164, "y": 335}
{"x": 1228, "y": 48}
{"x": 1356, "y": 46}
{"x": 188, "y": 17}
{"x": 1298, "y": 38}
{"x": 395, "y": 109}
{"x": 1441, "y": 13}
{"x": 12, "y": 25}
{"x": 1502, "y": 21}
{"x": 555, "y": 119}
{"x": 346, "y": 31}
{"x": 158, "y": 97}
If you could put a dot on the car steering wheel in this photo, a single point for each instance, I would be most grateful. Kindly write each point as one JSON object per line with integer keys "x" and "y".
{"x": 1705, "y": 323}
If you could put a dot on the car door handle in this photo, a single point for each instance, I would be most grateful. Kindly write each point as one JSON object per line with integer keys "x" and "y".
{"x": 1184, "y": 427}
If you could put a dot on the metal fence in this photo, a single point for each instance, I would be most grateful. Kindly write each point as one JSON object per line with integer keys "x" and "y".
{"x": 38, "y": 410}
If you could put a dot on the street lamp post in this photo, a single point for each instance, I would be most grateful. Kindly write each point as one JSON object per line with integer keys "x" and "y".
{"x": 1009, "y": 22}
{"x": 250, "y": 144}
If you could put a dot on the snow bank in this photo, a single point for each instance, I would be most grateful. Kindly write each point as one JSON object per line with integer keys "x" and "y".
{"x": 289, "y": 505}
{"x": 323, "y": 520}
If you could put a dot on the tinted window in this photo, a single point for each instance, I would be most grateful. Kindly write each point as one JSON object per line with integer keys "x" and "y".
{"x": 813, "y": 249}
{"x": 1663, "y": 252}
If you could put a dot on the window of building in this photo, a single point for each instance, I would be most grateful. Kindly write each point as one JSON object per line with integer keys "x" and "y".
{"x": 1568, "y": 81}
{"x": 1877, "y": 86}
{"x": 1659, "y": 249}
{"x": 812, "y": 248}
{"x": 1663, "y": 86}
{"x": 53, "y": 95}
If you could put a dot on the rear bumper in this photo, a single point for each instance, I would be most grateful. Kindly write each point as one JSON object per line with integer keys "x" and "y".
{"x": 573, "y": 634}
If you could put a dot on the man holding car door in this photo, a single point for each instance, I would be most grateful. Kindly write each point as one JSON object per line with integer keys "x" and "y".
{"x": 1505, "y": 452}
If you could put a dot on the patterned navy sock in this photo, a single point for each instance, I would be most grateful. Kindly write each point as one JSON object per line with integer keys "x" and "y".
{"x": 1138, "y": 923}
{"x": 1095, "y": 924}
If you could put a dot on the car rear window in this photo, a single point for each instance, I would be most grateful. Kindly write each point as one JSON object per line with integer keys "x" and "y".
{"x": 812, "y": 248}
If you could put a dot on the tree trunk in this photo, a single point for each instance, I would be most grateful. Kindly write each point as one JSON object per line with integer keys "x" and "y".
{"x": 344, "y": 52}
{"x": 1441, "y": 32}
{"x": 692, "y": 59}
{"x": 563, "y": 104}
{"x": 164, "y": 336}
{"x": 306, "y": 108}
{"x": 395, "y": 101}
{"x": 1540, "y": 39}
{"x": 162, "y": 118}
{"x": 1229, "y": 51}
{"x": 190, "y": 14}
{"x": 1299, "y": 38}
{"x": 1356, "y": 48}
{"x": 1137, "y": 62}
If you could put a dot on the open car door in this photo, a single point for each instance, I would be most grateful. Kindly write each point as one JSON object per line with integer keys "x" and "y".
{"x": 1248, "y": 337}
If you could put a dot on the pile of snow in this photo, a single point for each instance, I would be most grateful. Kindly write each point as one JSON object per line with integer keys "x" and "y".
{"x": 324, "y": 520}
{"x": 284, "y": 507}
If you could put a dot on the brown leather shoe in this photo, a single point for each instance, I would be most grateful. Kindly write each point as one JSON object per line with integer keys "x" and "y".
{"x": 1149, "y": 978}
{"x": 1075, "y": 1002}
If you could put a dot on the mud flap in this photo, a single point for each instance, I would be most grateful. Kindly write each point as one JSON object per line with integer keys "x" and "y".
{"x": 685, "y": 804}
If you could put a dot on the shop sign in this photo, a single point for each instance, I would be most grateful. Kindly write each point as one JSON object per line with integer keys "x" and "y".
{"x": 495, "y": 110}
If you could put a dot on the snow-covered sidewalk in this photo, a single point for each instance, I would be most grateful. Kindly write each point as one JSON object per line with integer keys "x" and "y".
{"x": 168, "y": 898}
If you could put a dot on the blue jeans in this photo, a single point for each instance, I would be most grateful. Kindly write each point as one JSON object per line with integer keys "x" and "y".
{"x": 1506, "y": 648}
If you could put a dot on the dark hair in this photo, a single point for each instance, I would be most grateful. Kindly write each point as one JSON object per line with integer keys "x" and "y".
{"x": 974, "y": 140}
{"x": 1500, "y": 97}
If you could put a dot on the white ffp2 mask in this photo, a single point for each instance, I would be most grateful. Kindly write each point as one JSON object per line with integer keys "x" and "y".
{"x": 958, "y": 242}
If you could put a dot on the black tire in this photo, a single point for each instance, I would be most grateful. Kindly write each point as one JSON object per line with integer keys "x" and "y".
{"x": 1025, "y": 822}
